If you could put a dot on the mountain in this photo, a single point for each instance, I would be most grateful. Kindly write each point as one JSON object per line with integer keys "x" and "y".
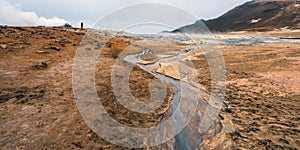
{"x": 255, "y": 15}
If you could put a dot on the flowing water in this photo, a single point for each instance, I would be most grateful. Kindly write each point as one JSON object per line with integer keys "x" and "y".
{"x": 186, "y": 138}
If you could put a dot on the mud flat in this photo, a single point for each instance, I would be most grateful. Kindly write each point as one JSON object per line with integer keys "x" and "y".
{"x": 38, "y": 110}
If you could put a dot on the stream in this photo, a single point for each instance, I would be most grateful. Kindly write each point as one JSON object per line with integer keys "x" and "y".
{"x": 187, "y": 138}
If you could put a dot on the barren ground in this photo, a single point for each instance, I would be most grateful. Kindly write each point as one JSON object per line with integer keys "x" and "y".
{"x": 38, "y": 110}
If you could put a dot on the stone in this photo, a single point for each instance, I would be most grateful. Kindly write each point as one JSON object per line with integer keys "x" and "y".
{"x": 20, "y": 28}
{"x": 148, "y": 62}
{"x": 3, "y": 46}
{"x": 26, "y": 42}
{"x": 11, "y": 44}
{"x": 44, "y": 64}
{"x": 41, "y": 66}
{"x": 42, "y": 52}
{"x": 168, "y": 70}
{"x": 52, "y": 47}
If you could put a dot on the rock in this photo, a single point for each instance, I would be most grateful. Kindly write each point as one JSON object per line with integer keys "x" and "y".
{"x": 168, "y": 70}
{"x": 227, "y": 110}
{"x": 41, "y": 66}
{"x": 11, "y": 44}
{"x": 77, "y": 144}
{"x": 19, "y": 28}
{"x": 221, "y": 117}
{"x": 147, "y": 51}
{"x": 148, "y": 62}
{"x": 41, "y": 52}
{"x": 5, "y": 98}
{"x": 19, "y": 96}
{"x": 53, "y": 48}
{"x": 44, "y": 64}
{"x": 3, "y": 46}
{"x": 187, "y": 50}
{"x": 26, "y": 42}
{"x": 109, "y": 44}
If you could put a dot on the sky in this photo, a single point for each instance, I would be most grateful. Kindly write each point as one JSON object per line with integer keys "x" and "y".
{"x": 58, "y": 12}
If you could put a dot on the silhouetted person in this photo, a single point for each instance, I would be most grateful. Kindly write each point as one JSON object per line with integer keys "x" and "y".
{"x": 81, "y": 25}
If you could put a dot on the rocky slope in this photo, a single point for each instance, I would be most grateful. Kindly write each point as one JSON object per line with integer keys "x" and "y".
{"x": 256, "y": 15}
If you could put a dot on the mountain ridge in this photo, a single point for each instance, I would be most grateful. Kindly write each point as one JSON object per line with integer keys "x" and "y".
{"x": 255, "y": 15}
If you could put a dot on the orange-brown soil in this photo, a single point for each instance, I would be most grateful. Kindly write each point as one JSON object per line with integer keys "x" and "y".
{"x": 38, "y": 110}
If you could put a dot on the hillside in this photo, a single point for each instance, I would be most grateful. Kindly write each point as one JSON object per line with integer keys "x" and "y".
{"x": 256, "y": 15}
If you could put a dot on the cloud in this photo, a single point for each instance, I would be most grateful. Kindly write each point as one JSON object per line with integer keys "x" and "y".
{"x": 12, "y": 15}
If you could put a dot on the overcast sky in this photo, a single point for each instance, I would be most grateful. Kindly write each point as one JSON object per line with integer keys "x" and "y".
{"x": 57, "y": 12}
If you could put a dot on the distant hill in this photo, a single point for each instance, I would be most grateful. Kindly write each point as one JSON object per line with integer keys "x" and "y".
{"x": 256, "y": 15}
